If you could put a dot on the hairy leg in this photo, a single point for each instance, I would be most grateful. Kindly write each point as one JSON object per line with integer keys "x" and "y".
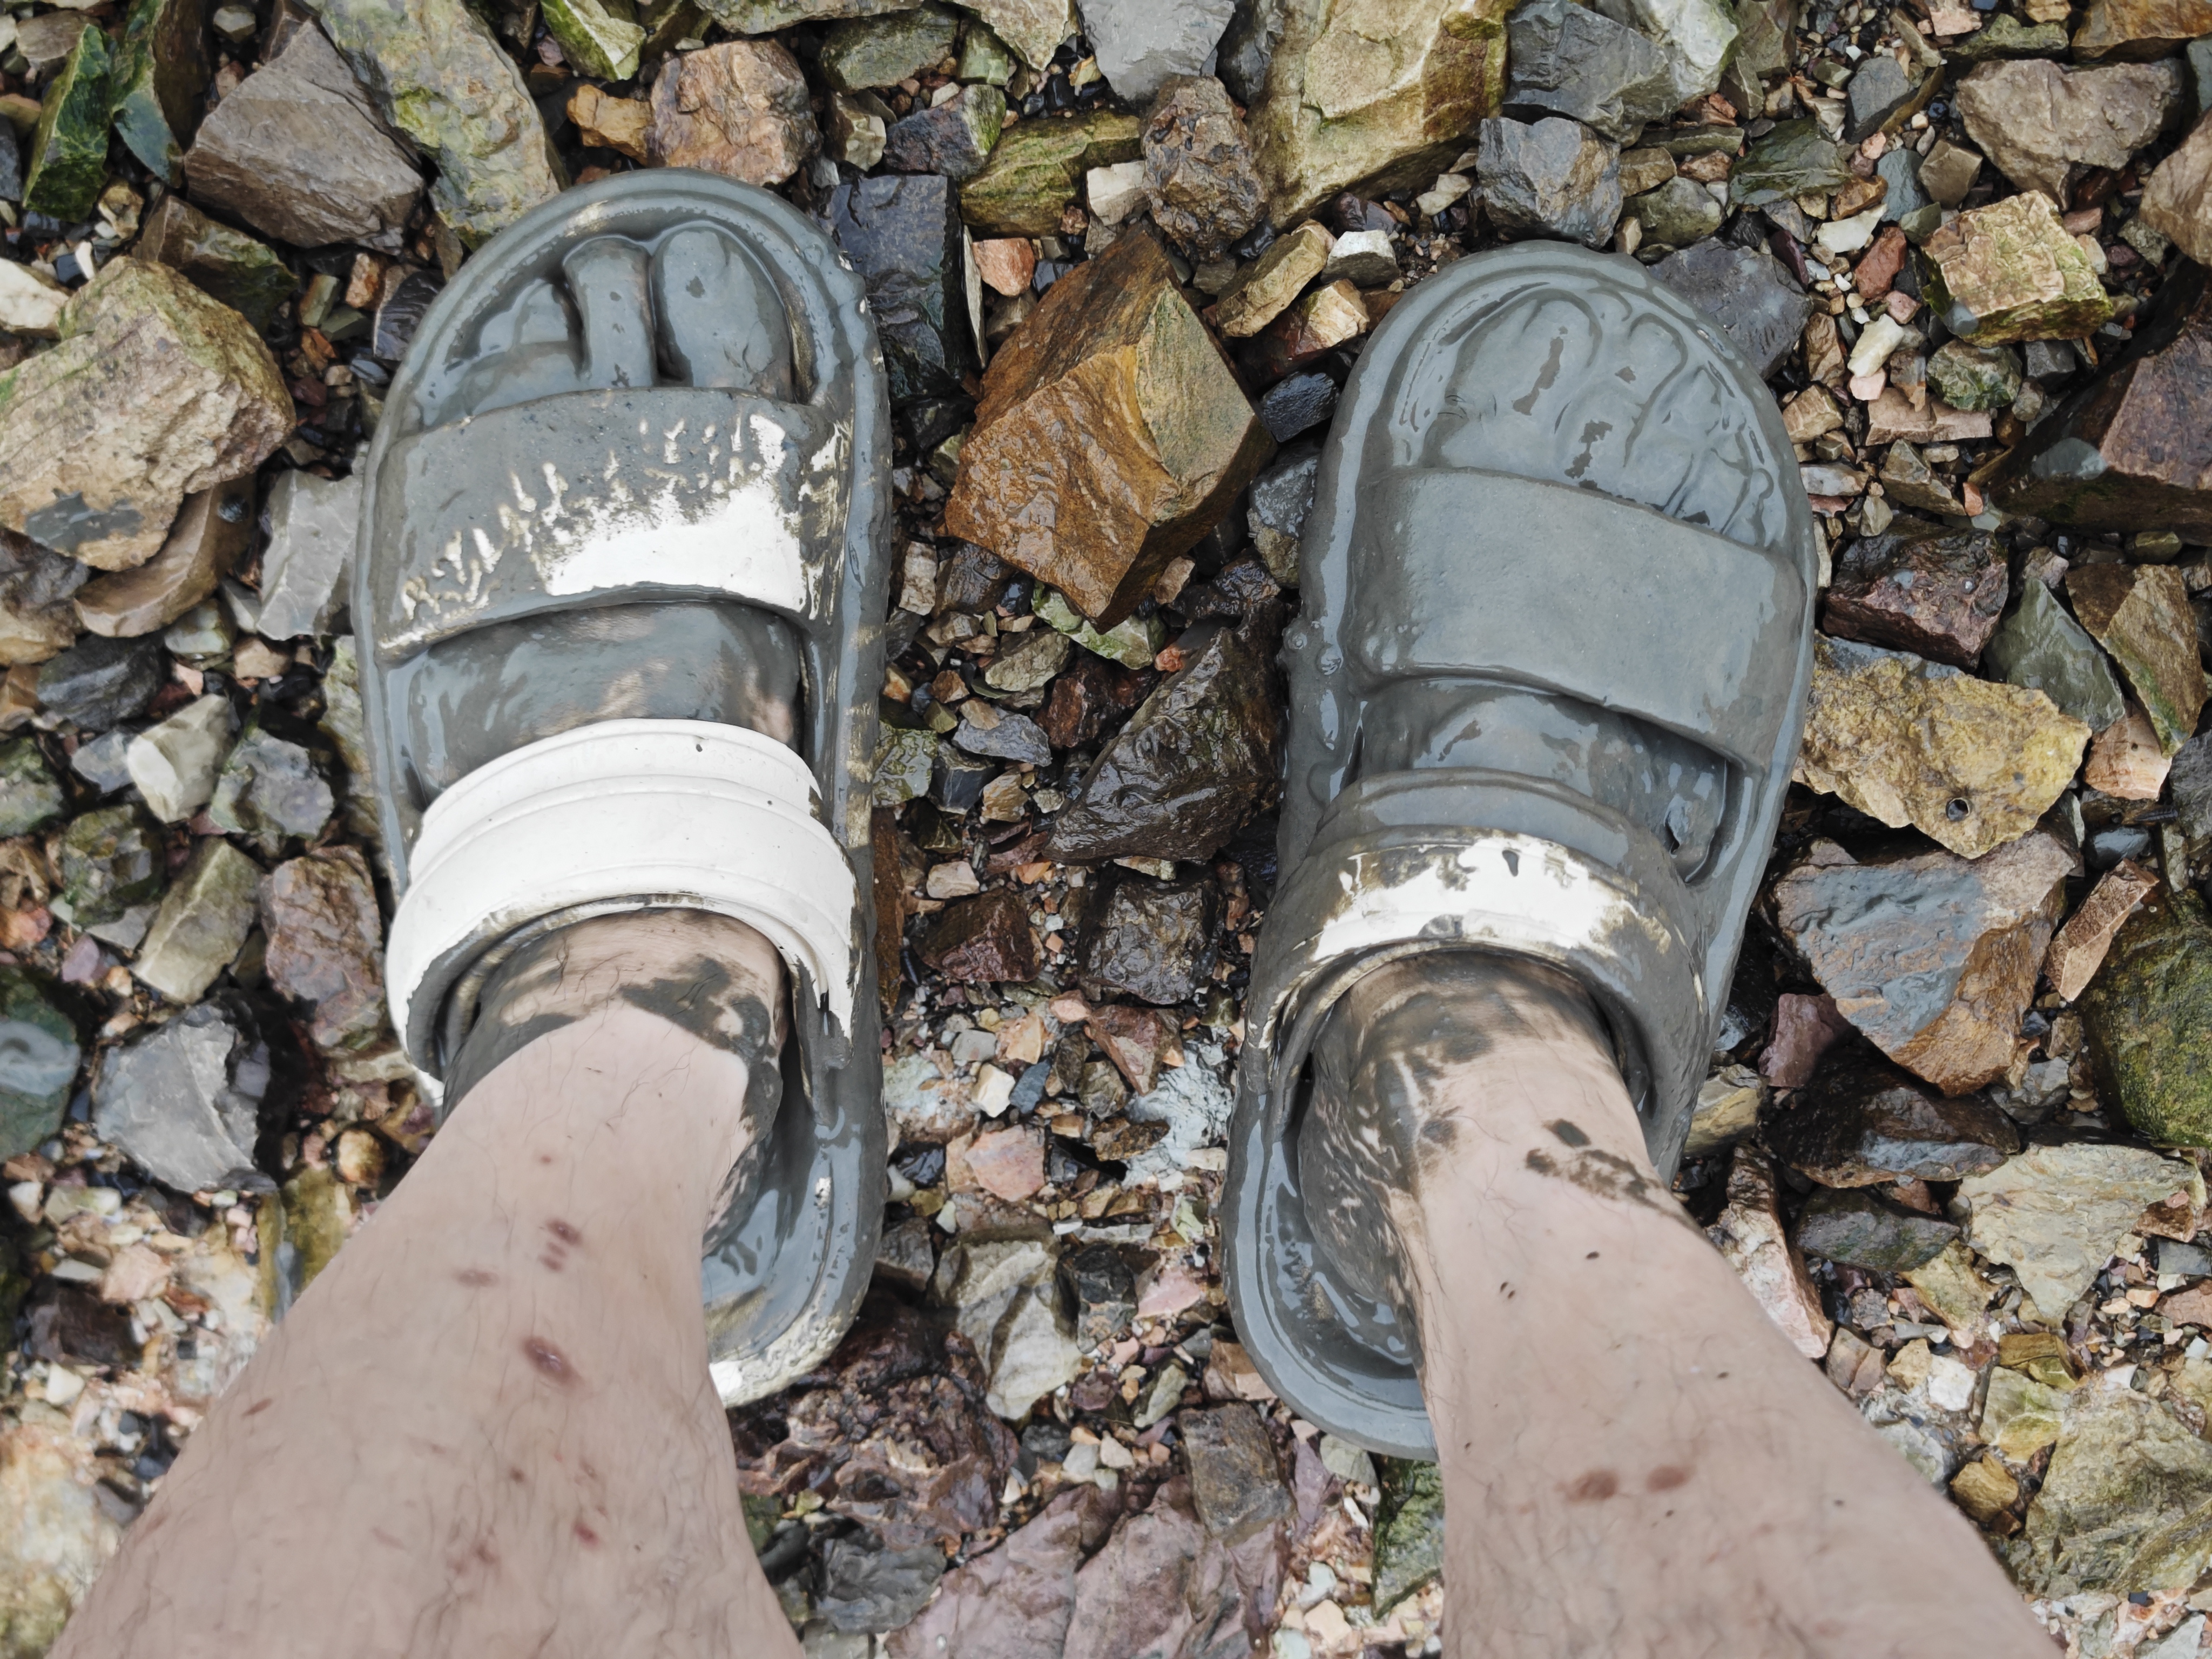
{"x": 487, "y": 1429}
{"x": 1635, "y": 1461}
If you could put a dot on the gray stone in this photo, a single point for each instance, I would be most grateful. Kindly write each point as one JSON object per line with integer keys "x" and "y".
{"x": 111, "y": 861}
{"x": 866, "y": 1588}
{"x": 1102, "y": 1287}
{"x": 324, "y": 944}
{"x": 1795, "y": 159}
{"x": 1552, "y": 176}
{"x": 1697, "y": 37}
{"x": 184, "y": 1100}
{"x": 1748, "y": 291}
{"x": 1362, "y": 257}
{"x": 1563, "y": 59}
{"x": 1878, "y": 90}
{"x": 1030, "y": 662}
{"x": 862, "y": 53}
{"x": 1677, "y": 214}
{"x": 1235, "y": 1478}
{"x": 2055, "y": 1214}
{"x": 2190, "y": 778}
{"x": 955, "y": 139}
{"x": 104, "y": 763}
{"x": 1863, "y": 1123}
{"x": 312, "y": 523}
{"x": 99, "y": 682}
{"x": 1248, "y": 46}
{"x": 1277, "y": 517}
{"x": 2045, "y": 126}
{"x": 1899, "y": 168}
{"x": 1006, "y": 1303}
{"x": 1860, "y": 1228}
{"x": 203, "y": 922}
{"x": 2041, "y": 646}
{"x": 1200, "y": 181}
{"x": 902, "y": 235}
{"x": 1982, "y": 377}
{"x": 39, "y": 1056}
{"x": 38, "y": 616}
{"x": 29, "y": 795}
{"x": 986, "y": 730}
{"x": 1140, "y": 42}
{"x": 1296, "y": 403}
{"x": 270, "y": 789}
{"x": 175, "y": 761}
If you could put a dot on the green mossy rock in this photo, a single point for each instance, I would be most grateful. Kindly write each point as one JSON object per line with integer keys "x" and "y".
{"x": 600, "y": 37}
{"x": 159, "y": 84}
{"x": 1795, "y": 159}
{"x": 111, "y": 860}
{"x": 228, "y": 265}
{"x": 2126, "y": 1505}
{"x": 28, "y": 795}
{"x": 1034, "y": 173}
{"x": 39, "y": 1055}
{"x": 863, "y": 53}
{"x": 2009, "y": 272}
{"x": 2149, "y": 1016}
{"x": 1409, "y": 1530}
{"x": 68, "y": 147}
{"x": 1975, "y": 377}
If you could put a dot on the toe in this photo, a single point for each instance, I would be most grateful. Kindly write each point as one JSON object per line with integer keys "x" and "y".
{"x": 608, "y": 279}
{"x": 722, "y": 321}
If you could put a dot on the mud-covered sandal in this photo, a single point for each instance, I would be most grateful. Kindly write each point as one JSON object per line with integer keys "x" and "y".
{"x": 620, "y": 580}
{"x": 1545, "y": 693}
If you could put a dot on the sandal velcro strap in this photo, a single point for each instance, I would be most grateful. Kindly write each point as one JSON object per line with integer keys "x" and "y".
{"x": 624, "y": 814}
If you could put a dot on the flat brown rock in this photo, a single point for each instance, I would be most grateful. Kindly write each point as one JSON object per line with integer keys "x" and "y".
{"x": 2125, "y": 760}
{"x": 2140, "y": 614}
{"x": 2043, "y": 126}
{"x": 2141, "y": 29}
{"x": 209, "y": 532}
{"x": 1750, "y": 1235}
{"x": 2079, "y": 949}
{"x": 326, "y": 944}
{"x": 740, "y": 109}
{"x": 1917, "y": 587}
{"x": 2177, "y": 202}
{"x": 983, "y": 939}
{"x": 1111, "y": 435}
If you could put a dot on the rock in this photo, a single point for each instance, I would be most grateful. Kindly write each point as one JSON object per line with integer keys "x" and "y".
{"x": 205, "y": 540}
{"x": 1676, "y": 214}
{"x": 1235, "y": 1479}
{"x": 1917, "y": 587}
{"x": 1153, "y": 940}
{"x": 739, "y": 109}
{"x": 1795, "y": 159}
{"x": 985, "y": 729}
{"x": 2126, "y": 760}
{"x": 1933, "y": 957}
{"x": 595, "y": 39}
{"x": 2190, "y": 779}
{"x": 2140, "y": 614}
{"x": 31, "y": 302}
{"x": 2081, "y": 946}
{"x": 2055, "y": 1214}
{"x": 29, "y": 796}
{"x": 2136, "y": 29}
{"x": 1866, "y": 1123}
{"x": 158, "y": 84}
{"x": 56, "y": 1534}
{"x": 1747, "y": 292}
{"x": 2148, "y": 1014}
{"x": 1200, "y": 181}
{"x": 39, "y": 1056}
{"x": 1315, "y": 324}
{"x": 110, "y": 860}
{"x": 1032, "y": 661}
{"x": 68, "y": 147}
{"x": 438, "y": 75}
{"x": 1007, "y": 1306}
{"x": 1373, "y": 97}
{"x": 268, "y": 789}
{"x": 98, "y": 683}
{"x": 2040, "y": 646}
{"x": 625, "y": 124}
{"x": 1132, "y": 642}
{"x": 1178, "y": 779}
{"x": 1034, "y": 173}
{"x": 1697, "y": 38}
{"x": 1114, "y": 352}
{"x": 1553, "y": 177}
{"x": 2020, "y": 1416}
{"x": 2043, "y": 126}
{"x": 1727, "y": 1110}
{"x": 1297, "y": 404}
{"x": 1567, "y": 59}
{"x": 1362, "y": 257}
{"x": 1264, "y": 289}
{"x": 155, "y": 391}
{"x": 983, "y": 939}
{"x": 203, "y": 922}
{"x": 1409, "y": 1530}
{"x": 1142, "y": 45}
{"x": 1984, "y": 1489}
{"x": 1860, "y": 1228}
{"x": 299, "y": 152}
{"x": 904, "y": 236}
{"x": 953, "y": 138}
{"x": 1102, "y": 1290}
{"x": 867, "y": 1588}
{"x": 1970, "y": 763}
{"x": 2009, "y": 272}
{"x": 1011, "y": 1603}
{"x": 324, "y": 944}
{"x": 1034, "y": 28}
{"x": 1748, "y": 1234}
{"x": 1879, "y": 88}
{"x": 2177, "y": 201}
{"x": 1115, "y": 193}
{"x": 1975, "y": 377}
{"x": 1899, "y": 170}
{"x": 175, "y": 761}
{"x": 1006, "y": 264}
{"x": 860, "y": 53}
{"x": 2122, "y": 1507}
{"x": 1645, "y": 168}
{"x": 1910, "y": 483}
{"x": 903, "y": 761}
{"x": 184, "y": 1100}
{"x": 1280, "y": 497}
{"x": 1163, "y": 1584}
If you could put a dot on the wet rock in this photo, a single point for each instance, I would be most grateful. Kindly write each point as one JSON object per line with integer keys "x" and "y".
{"x": 902, "y": 235}
{"x": 299, "y": 152}
{"x": 1567, "y": 59}
{"x": 159, "y": 81}
{"x": 324, "y": 943}
{"x": 184, "y": 1100}
{"x": 1235, "y": 1478}
{"x": 1373, "y": 99}
{"x": 2009, "y": 272}
{"x": 1034, "y": 174}
{"x": 55, "y": 1534}
{"x": 1153, "y": 940}
{"x": 1409, "y": 1530}
{"x": 1970, "y": 763}
{"x": 1011, "y": 1603}
{"x": 1280, "y": 497}
{"x": 1553, "y": 177}
{"x": 2126, "y": 760}
{"x": 2136, "y": 29}
{"x": 2040, "y": 646}
{"x": 625, "y": 124}
{"x": 1933, "y": 957}
{"x": 1919, "y": 588}
{"x": 1362, "y": 257}
{"x": 2140, "y": 614}
{"x": 438, "y": 75}
{"x": 1727, "y": 1110}
{"x": 155, "y": 391}
{"x": 1200, "y": 181}
{"x": 2055, "y": 1214}
{"x": 867, "y": 52}
{"x": 1176, "y": 781}
{"x": 174, "y": 762}
{"x": 1911, "y": 484}
{"x": 1676, "y": 214}
{"x": 594, "y": 39}
{"x": 38, "y": 616}
{"x": 1080, "y": 701}
{"x": 1137, "y": 1041}
{"x": 1163, "y": 1584}
{"x": 2080, "y": 947}
{"x": 985, "y": 729}
{"x": 740, "y": 109}
{"x": 1142, "y": 46}
{"x": 270, "y": 788}
{"x": 2177, "y": 201}
{"x": 1132, "y": 642}
{"x": 1264, "y": 290}
{"x": 68, "y": 147}
{"x": 1860, "y": 1228}
{"x": 1697, "y": 37}
{"x": 1975, "y": 377}
{"x": 2149, "y": 1018}
{"x": 2123, "y": 1505}
{"x": 110, "y": 860}
{"x": 1749, "y": 1234}
{"x": 1007, "y": 1305}
{"x": 1031, "y": 662}
{"x": 98, "y": 683}
{"x": 867, "y": 1588}
{"x": 1315, "y": 324}
{"x": 903, "y": 761}
{"x": 1867, "y": 1123}
{"x": 1006, "y": 264}
{"x": 1795, "y": 159}
{"x": 2043, "y": 126}
{"x": 208, "y": 533}
{"x": 1297, "y": 404}
{"x": 203, "y": 922}
{"x": 1879, "y": 88}
{"x": 1101, "y": 1289}
{"x": 982, "y": 939}
{"x": 1747, "y": 291}
{"x": 39, "y": 1056}
{"x": 1115, "y": 353}
{"x": 29, "y": 796}
{"x": 953, "y": 138}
